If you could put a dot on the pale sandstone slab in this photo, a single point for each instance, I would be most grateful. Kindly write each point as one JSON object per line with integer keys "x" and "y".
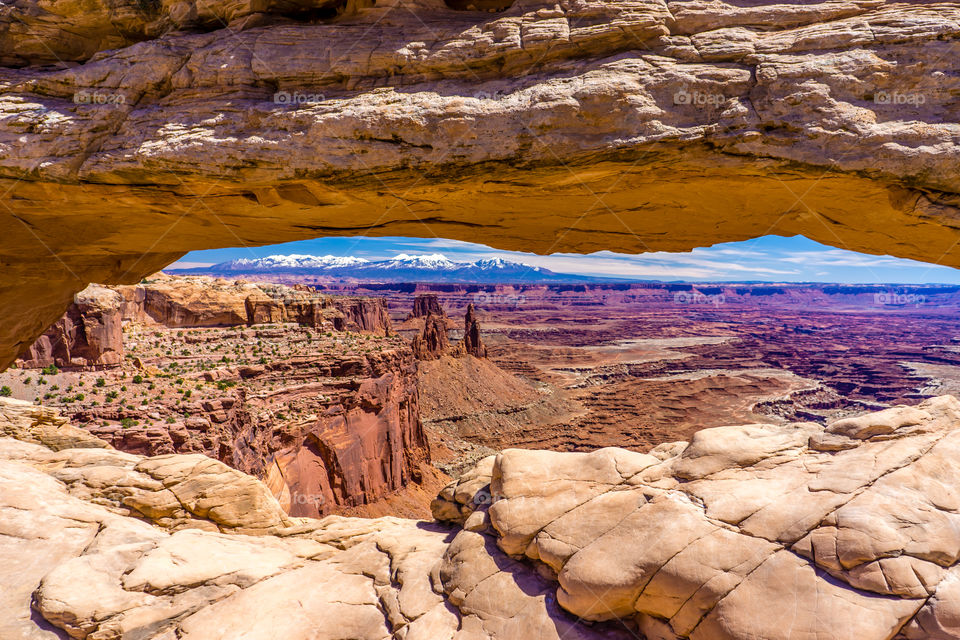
{"x": 641, "y": 550}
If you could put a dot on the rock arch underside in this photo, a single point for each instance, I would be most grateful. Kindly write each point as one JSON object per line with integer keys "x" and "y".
{"x": 133, "y": 131}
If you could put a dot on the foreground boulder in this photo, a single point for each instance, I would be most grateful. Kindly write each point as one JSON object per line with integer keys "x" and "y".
{"x": 756, "y": 531}
{"x": 746, "y": 532}
{"x": 79, "y": 555}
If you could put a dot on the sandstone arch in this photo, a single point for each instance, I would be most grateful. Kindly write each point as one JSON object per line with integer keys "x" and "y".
{"x": 129, "y": 137}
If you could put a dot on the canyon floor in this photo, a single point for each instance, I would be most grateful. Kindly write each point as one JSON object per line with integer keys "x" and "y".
{"x": 641, "y": 365}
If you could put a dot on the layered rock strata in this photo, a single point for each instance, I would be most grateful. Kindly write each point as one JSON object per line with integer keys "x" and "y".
{"x": 432, "y": 342}
{"x": 356, "y": 437}
{"x": 90, "y": 334}
{"x": 198, "y": 301}
{"x": 425, "y": 305}
{"x": 631, "y": 125}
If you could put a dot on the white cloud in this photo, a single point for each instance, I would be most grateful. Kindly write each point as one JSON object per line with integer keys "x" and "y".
{"x": 841, "y": 258}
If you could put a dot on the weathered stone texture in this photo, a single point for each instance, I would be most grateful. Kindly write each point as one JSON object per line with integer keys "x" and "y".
{"x": 631, "y": 125}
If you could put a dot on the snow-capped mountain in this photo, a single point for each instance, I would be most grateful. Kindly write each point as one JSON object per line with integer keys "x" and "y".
{"x": 403, "y": 267}
{"x": 290, "y": 262}
{"x": 433, "y": 261}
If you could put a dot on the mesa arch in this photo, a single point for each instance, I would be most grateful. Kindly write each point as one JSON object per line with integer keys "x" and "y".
{"x": 135, "y": 131}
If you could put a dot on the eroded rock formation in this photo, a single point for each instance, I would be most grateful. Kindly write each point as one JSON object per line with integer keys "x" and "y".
{"x": 432, "y": 342}
{"x": 753, "y": 531}
{"x": 199, "y": 301}
{"x": 426, "y": 304}
{"x": 631, "y": 125}
{"x": 356, "y": 440}
{"x": 471, "y": 344}
{"x": 364, "y": 443}
{"x": 88, "y": 335}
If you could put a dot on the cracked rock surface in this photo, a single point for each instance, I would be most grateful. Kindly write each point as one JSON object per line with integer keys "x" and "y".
{"x": 753, "y": 531}
{"x": 132, "y": 132}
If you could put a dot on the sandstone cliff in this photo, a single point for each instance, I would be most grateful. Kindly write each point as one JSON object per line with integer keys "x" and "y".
{"x": 471, "y": 344}
{"x": 755, "y": 531}
{"x": 199, "y": 301}
{"x": 426, "y": 304}
{"x": 432, "y": 342}
{"x": 356, "y": 440}
{"x": 630, "y": 125}
{"x": 88, "y": 335}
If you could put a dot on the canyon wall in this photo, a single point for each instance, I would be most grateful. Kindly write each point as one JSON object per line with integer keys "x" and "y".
{"x": 358, "y": 441}
{"x": 367, "y": 444}
{"x": 90, "y": 334}
{"x": 632, "y": 125}
{"x": 197, "y": 301}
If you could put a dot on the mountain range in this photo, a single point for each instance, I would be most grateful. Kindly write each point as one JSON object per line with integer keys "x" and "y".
{"x": 434, "y": 267}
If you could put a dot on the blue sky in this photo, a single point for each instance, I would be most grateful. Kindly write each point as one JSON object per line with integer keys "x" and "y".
{"x": 770, "y": 258}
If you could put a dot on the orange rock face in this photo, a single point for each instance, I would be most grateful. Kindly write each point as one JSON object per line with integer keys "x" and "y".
{"x": 356, "y": 453}
{"x": 179, "y": 301}
{"x": 327, "y": 432}
{"x": 88, "y": 335}
{"x": 432, "y": 341}
{"x": 331, "y": 419}
{"x": 471, "y": 343}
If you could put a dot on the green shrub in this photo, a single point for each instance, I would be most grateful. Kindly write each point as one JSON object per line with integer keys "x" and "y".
{"x": 100, "y": 382}
{"x": 5, "y": 391}
{"x": 138, "y": 378}
{"x": 50, "y": 371}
